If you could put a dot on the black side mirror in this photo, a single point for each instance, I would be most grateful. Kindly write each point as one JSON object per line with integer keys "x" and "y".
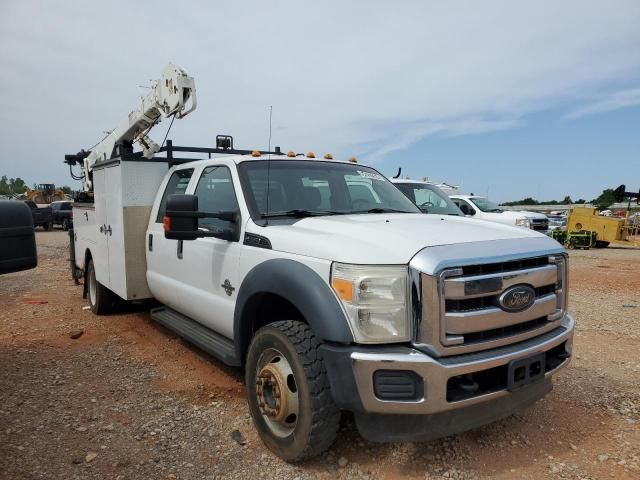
{"x": 17, "y": 237}
{"x": 180, "y": 220}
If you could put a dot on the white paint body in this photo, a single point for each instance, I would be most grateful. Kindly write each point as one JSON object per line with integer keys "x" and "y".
{"x": 192, "y": 284}
{"x": 506, "y": 217}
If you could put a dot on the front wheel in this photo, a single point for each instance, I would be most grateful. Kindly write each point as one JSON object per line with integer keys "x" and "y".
{"x": 100, "y": 297}
{"x": 288, "y": 391}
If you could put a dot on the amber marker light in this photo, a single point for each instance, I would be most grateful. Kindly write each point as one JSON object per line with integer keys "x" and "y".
{"x": 344, "y": 288}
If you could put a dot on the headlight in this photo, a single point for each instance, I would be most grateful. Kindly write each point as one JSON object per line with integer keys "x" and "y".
{"x": 376, "y": 299}
{"x": 523, "y": 222}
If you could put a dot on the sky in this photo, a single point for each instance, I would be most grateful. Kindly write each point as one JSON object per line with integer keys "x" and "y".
{"x": 509, "y": 99}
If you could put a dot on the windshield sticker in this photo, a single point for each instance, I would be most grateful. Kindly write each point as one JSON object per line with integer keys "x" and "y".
{"x": 371, "y": 175}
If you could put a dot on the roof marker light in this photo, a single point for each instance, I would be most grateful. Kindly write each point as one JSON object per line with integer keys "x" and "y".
{"x": 291, "y": 153}
{"x": 255, "y": 153}
{"x": 353, "y": 160}
{"x": 328, "y": 156}
{"x": 311, "y": 155}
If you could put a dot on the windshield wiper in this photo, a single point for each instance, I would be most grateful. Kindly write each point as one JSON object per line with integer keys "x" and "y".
{"x": 382, "y": 210}
{"x": 301, "y": 213}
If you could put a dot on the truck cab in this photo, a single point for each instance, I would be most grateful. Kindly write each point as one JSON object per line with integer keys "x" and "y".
{"x": 484, "y": 209}
{"x": 332, "y": 290}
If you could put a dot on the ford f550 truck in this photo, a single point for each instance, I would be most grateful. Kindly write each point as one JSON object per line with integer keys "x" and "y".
{"x": 329, "y": 287}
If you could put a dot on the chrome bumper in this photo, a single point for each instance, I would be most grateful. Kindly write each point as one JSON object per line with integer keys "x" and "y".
{"x": 435, "y": 372}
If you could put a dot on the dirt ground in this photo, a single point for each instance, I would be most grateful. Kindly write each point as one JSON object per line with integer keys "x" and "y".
{"x": 130, "y": 400}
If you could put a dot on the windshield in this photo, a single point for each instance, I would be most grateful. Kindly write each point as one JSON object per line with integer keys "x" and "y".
{"x": 429, "y": 198}
{"x": 485, "y": 205}
{"x": 299, "y": 188}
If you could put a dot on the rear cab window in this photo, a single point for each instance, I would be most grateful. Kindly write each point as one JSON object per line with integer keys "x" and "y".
{"x": 177, "y": 184}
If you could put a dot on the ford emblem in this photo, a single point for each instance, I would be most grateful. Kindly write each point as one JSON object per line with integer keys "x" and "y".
{"x": 517, "y": 298}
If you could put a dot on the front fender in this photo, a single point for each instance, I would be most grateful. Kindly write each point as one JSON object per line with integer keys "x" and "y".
{"x": 303, "y": 288}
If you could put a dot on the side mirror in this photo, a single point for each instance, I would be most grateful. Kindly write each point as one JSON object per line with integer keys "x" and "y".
{"x": 180, "y": 220}
{"x": 466, "y": 209}
{"x": 17, "y": 237}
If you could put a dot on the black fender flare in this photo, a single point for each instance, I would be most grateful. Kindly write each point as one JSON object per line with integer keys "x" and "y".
{"x": 303, "y": 288}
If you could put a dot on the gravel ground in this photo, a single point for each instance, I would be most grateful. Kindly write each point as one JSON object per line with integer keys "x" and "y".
{"x": 129, "y": 400}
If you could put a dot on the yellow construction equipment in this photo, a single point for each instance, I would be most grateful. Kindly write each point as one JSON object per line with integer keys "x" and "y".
{"x": 45, "y": 193}
{"x": 607, "y": 230}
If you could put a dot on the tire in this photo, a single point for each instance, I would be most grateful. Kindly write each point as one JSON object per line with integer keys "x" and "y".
{"x": 601, "y": 244}
{"x": 101, "y": 299}
{"x": 48, "y": 226}
{"x": 65, "y": 224}
{"x": 277, "y": 346}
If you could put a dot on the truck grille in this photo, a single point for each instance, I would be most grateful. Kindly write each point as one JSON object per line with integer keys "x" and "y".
{"x": 461, "y": 310}
{"x": 540, "y": 224}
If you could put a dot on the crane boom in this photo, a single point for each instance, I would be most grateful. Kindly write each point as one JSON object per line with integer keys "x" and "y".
{"x": 169, "y": 96}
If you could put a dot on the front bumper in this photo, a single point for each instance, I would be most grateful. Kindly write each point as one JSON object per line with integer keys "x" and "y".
{"x": 351, "y": 373}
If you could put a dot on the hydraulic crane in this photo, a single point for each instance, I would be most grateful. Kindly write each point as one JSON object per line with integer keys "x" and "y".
{"x": 169, "y": 96}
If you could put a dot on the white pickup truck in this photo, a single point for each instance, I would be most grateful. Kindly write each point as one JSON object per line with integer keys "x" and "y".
{"x": 331, "y": 289}
{"x": 482, "y": 208}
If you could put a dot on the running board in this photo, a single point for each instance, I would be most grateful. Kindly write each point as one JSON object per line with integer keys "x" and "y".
{"x": 202, "y": 337}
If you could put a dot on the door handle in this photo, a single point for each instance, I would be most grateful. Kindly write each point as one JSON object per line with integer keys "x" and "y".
{"x": 151, "y": 242}
{"x": 179, "y": 249}
{"x": 108, "y": 230}
{"x": 103, "y": 228}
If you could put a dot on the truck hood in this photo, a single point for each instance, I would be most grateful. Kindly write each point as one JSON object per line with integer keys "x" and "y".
{"x": 381, "y": 238}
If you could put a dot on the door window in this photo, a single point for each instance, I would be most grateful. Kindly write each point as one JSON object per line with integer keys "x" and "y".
{"x": 215, "y": 193}
{"x": 177, "y": 185}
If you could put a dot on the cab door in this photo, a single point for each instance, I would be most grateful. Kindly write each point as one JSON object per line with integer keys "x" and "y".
{"x": 209, "y": 267}
{"x": 162, "y": 254}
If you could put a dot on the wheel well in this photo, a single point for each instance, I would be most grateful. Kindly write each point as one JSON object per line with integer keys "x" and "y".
{"x": 262, "y": 309}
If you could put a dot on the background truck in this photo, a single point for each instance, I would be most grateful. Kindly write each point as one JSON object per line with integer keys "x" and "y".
{"x": 62, "y": 214}
{"x": 484, "y": 209}
{"x": 42, "y": 216}
{"x": 327, "y": 285}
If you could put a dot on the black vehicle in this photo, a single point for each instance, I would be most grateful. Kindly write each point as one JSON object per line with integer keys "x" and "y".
{"x": 42, "y": 216}
{"x": 17, "y": 240}
{"x": 62, "y": 214}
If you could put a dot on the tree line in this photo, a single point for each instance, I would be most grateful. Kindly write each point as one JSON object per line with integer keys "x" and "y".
{"x": 602, "y": 201}
{"x": 16, "y": 186}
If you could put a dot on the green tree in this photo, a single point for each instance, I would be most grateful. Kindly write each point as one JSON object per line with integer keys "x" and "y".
{"x": 566, "y": 200}
{"x": 17, "y": 185}
{"x": 581, "y": 201}
{"x": 605, "y": 199}
{"x": 4, "y": 186}
{"x": 67, "y": 190}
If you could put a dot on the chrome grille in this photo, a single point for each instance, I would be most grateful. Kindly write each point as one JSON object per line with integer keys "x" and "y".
{"x": 461, "y": 312}
{"x": 540, "y": 224}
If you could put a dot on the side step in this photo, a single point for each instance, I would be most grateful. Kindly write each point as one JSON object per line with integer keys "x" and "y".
{"x": 196, "y": 333}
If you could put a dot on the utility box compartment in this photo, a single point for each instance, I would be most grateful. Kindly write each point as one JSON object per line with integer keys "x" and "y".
{"x": 124, "y": 193}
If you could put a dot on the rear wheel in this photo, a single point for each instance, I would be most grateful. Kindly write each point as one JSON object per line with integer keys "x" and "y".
{"x": 100, "y": 298}
{"x": 65, "y": 224}
{"x": 48, "y": 226}
{"x": 288, "y": 389}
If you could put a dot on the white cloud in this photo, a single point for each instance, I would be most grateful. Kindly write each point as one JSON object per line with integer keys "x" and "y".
{"x": 365, "y": 78}
{"x": 611, "y": 102}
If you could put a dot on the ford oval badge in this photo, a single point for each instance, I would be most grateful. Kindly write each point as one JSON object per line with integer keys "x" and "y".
{"x": 517, "y": 298}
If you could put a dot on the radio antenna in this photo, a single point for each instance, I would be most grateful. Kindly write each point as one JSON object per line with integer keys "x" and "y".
{"x": 269, "y": 165}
